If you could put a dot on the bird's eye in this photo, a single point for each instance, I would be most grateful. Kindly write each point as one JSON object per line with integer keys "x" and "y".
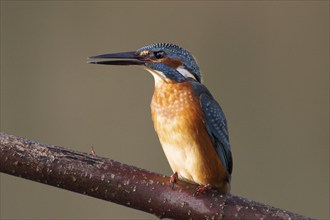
{"x": 159, "y": 54}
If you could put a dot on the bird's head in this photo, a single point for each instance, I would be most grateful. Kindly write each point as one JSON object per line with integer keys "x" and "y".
{"x": 167, "y": 62}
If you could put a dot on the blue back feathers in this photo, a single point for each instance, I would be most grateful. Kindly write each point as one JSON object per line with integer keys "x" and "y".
{"x": 216, "y": 125}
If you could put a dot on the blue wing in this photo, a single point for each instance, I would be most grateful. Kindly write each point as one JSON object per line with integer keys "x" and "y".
{"x": 216, "y": 125}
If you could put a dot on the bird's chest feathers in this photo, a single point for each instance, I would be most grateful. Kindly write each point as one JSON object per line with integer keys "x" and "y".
{"x": 174, "y": 106}
{"x": 178, "y": 121}
{"x": 176, "y": 114}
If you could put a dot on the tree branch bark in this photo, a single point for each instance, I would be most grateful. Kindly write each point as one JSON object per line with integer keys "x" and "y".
{"x": 123, "y": 184}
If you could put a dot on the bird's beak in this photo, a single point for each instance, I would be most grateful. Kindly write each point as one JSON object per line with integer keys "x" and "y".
{"x": 124, "y": 58}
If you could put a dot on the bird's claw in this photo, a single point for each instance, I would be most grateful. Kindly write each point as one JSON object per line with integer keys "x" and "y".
{"x": 174, "y": 179}
{"x": 201, "y": 189}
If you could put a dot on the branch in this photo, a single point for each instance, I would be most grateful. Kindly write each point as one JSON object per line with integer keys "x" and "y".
{"x": 123, "y": 184}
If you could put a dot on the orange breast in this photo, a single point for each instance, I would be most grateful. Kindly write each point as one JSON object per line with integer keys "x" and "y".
{"x": 178, "y": 121}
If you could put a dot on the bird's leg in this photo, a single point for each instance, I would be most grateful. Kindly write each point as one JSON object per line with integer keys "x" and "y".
{"x": 174, "y": 178}
{"x": 201, "y": 189}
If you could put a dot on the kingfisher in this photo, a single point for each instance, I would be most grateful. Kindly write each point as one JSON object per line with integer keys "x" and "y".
{"x": 189, "y": 122}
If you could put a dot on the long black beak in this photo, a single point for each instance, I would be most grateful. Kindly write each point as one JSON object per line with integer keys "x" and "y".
{"x": 125, "y": 58}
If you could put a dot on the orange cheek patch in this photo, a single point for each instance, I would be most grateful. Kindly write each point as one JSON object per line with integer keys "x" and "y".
{"x": 172, "y": 63}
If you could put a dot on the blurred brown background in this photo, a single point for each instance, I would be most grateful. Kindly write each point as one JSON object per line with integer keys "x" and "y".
{"x": 267, "y": 63}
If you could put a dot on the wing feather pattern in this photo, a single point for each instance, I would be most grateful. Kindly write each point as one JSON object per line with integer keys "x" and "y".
{"x": 216, "y": 126}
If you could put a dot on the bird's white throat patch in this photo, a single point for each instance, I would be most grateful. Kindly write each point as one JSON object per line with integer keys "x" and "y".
{"x": 159, "y": 76}
{"x": 185, "y": 72}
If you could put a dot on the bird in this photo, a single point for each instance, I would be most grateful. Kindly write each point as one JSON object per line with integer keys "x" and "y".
{"x": 190, "y": 124}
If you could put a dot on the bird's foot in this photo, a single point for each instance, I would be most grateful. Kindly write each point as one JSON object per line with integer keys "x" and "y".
{"x": 174, "y": 178}
{"x": 201, "y": 189}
